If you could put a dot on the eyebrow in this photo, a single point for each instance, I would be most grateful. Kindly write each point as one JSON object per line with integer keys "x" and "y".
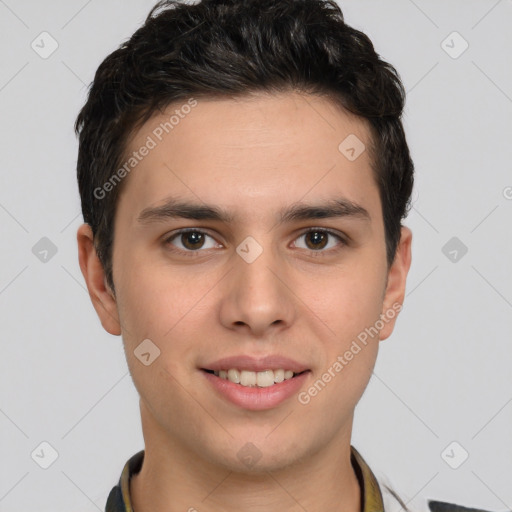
{"x": 175, "y": 208}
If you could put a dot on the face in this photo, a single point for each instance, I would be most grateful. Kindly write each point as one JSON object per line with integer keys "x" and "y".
{"x": 219, "y": 253}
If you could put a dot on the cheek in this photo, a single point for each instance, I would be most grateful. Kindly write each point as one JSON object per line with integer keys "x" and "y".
{"x": 349, "y": 354}
{"x": 155, "y": 305}
{"x": 167, "y": 305}
{"x": 348, "y": 301}
{"x": 150, "y": 302}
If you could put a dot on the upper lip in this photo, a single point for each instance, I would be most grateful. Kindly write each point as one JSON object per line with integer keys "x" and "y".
{"x": 256, "y": 364}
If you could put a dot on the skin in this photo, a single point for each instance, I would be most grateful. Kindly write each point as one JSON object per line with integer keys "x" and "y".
{"x": 302, "y": 298}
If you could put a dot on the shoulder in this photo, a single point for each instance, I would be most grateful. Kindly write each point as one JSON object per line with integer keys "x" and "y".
{"x": 391, "y": 501}
{"x": 444, "y": 506}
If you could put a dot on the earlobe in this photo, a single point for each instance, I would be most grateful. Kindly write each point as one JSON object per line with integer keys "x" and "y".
{"x": 102, "y": 298}
{"x": 397, "y": 278}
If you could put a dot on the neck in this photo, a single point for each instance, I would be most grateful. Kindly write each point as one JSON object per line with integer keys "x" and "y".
{"x": 174, "y": 478}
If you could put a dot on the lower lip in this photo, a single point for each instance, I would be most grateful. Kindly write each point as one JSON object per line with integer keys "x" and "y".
{"x": 257, "y": 399}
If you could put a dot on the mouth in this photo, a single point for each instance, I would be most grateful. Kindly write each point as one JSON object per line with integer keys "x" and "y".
{"x": 253, "y": 379}
{"x": 255, "y": 389}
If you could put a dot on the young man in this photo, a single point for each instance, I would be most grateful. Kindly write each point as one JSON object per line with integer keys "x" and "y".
{"x": 243, "y": 173}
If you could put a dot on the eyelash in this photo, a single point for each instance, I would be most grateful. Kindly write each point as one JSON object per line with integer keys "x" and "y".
{"x": 192, "y": 253}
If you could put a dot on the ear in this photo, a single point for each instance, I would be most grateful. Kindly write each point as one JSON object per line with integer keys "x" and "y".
{"x": 395, "y": 289}
{"x": 102, "y": 298}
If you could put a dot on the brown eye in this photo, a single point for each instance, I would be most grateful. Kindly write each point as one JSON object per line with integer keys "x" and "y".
{"x": 190, "y": 240}
{"x": 317, "y": 239}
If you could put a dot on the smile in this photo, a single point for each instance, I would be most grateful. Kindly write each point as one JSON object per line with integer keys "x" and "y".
{"x": 249, "y": 378}
{"x": 256, "y": 391}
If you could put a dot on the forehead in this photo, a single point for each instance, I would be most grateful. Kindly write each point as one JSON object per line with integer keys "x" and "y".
{"x": 266, "y": 149}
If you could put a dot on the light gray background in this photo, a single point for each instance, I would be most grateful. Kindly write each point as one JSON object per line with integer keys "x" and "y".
{"x": 445, "y": 374}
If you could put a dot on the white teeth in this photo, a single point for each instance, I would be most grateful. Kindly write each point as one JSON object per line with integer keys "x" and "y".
{"x": 265, "y": 379}
{"x": 234, "y": 376}
{"x": 251, "y": 379}
{"x": 247, "y": 378}
{"x": 278, "y": 376}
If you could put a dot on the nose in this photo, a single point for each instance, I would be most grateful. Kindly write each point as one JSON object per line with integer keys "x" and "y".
{"x": 257, "y": 296}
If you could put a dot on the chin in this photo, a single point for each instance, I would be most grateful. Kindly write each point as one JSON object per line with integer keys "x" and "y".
{"x": 257, "y": 457}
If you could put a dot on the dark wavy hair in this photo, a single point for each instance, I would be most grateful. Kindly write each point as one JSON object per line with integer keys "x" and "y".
{"x": 226, "y": 48}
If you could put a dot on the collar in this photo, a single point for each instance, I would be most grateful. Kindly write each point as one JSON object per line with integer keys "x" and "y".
{"x": 371, "y": 496}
